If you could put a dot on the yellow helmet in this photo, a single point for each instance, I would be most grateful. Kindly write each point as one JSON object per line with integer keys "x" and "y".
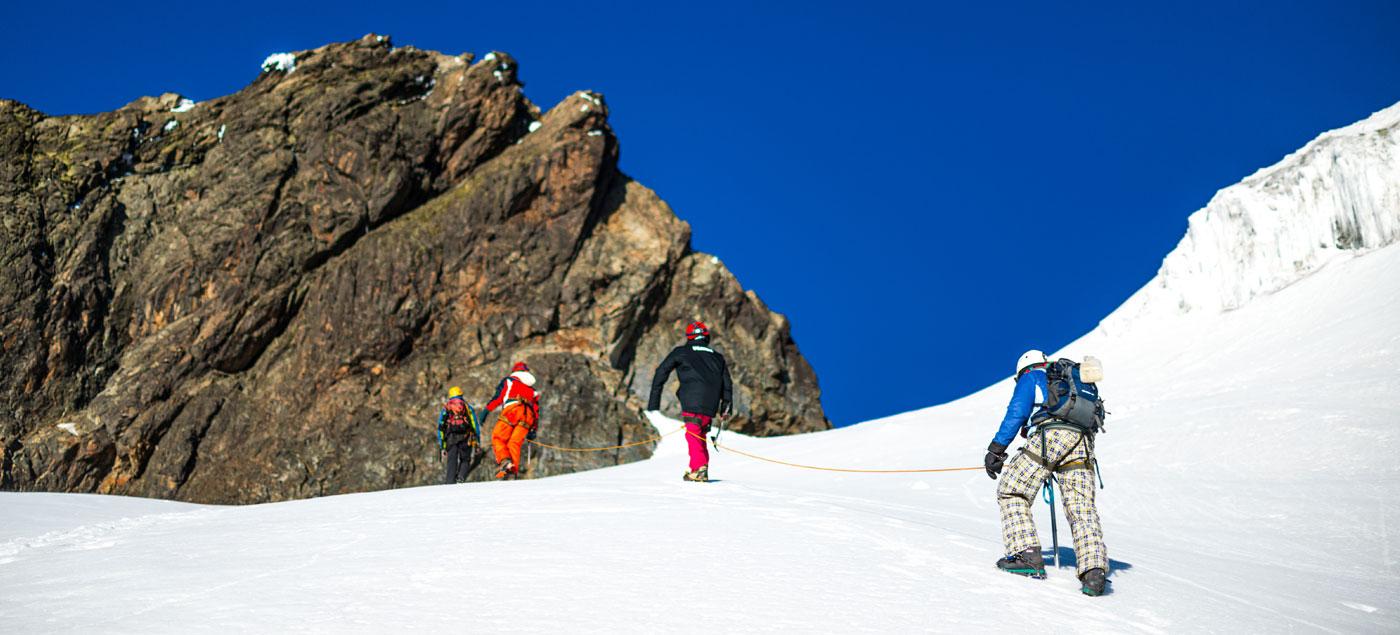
{"x": 455, "y": 391}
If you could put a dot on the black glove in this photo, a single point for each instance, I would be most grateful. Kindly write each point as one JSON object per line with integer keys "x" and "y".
{"x": 531, "y": 435}
{"x": 996, "y": 457}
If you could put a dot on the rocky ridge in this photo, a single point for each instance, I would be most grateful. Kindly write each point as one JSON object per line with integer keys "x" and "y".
{"x": 263, "y": 296}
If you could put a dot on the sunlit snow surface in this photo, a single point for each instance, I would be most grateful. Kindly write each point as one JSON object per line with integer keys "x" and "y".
{"x": 1250, "y": 465}
{"x": 1250, "y": 461}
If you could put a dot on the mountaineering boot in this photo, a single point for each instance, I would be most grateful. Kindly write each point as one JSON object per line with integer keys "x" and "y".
{"x": 703, "y": 474}
{"x": 503, "y": 470}
{"x": 1093, "y": 581}
{"x": 1027, "y": 563}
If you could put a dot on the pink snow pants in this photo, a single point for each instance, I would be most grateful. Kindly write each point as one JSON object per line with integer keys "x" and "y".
{"x": 695, "y": 438}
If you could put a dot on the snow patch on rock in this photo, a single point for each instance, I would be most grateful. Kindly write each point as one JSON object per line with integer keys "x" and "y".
{"x": 170, "y": 125}
{"x": 285, "y": 62}
{"x": 185, "y": 105}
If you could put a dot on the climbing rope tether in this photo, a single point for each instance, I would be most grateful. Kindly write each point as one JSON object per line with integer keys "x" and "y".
{"x": 720, "y": 446}
{"x": 607, "y": 448}
{"x": 831, "y": 469}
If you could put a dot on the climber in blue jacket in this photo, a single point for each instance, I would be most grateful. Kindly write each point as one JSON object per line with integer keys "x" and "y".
{"x": 1056, "y": 449}
{"x": 1031, "y": 387}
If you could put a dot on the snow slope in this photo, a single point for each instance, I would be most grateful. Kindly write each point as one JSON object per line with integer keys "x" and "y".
{"x": 1250, "y": 469}
{"x": 1257, "y": 495}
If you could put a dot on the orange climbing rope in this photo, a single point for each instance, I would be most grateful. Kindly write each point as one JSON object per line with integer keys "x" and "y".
{"x": 610, "y": 447}
{"x": 832, "y": 469}
{"x": 750, "y": 455}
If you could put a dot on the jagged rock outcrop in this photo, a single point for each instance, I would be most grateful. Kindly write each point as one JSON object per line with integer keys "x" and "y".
{"x": 264, "y": 296}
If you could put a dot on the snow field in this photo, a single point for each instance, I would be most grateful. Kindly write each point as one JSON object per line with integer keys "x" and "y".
{"x": 1256, "y": 495}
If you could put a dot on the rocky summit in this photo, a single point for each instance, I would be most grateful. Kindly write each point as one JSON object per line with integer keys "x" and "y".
{"x": 265, "y": 296}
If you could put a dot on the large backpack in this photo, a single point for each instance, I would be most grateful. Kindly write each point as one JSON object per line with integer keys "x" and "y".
{"x": 1070, "y": 400}
{"x": 464, "y": 423}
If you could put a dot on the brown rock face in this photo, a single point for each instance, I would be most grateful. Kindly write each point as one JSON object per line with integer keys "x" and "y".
{"x": 265, "y": 296}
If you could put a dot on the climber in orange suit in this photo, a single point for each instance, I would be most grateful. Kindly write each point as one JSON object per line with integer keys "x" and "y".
{"x": 520, "y": 416}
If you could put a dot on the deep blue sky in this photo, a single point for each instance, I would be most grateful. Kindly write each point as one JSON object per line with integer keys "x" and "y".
{"x": 902, "y": 181}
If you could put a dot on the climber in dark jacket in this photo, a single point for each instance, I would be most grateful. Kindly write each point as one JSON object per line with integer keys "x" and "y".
{"x": 705, "y": 392}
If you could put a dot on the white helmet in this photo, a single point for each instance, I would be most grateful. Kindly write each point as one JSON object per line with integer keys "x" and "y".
{"x": 1029, "y": 358}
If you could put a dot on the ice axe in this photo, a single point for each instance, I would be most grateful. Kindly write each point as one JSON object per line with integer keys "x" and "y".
{"x": 1054, "y": 533}
{"x": 719, "y": 428}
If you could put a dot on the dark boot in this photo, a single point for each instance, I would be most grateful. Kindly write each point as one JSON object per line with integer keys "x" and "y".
{"x": 1027, "y": 563}
{"x": 1094, "y": 581}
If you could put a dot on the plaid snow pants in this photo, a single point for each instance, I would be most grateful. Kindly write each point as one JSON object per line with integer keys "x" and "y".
{"x": 1021, "y": 483}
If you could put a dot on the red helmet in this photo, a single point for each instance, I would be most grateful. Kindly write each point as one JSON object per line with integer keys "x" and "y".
{"x": 519, "y": 366}
{"x": 696, "y": 330}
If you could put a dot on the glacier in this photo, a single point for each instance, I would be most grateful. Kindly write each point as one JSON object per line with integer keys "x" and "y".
{"x": 1336, "y": 197}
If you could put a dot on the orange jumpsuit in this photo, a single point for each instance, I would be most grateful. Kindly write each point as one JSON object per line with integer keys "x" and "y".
{"x": 519, "y": 417}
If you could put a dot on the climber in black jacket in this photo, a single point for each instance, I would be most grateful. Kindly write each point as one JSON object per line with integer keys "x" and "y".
{"x": 705, "y": 392}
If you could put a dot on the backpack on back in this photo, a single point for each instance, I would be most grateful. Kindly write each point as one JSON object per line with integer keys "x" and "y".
{"x": 1072, "y": 398}
{"x": 464, "y": 422}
